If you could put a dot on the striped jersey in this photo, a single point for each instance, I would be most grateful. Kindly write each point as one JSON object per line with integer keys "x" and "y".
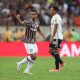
{"x": 31, "y": 28}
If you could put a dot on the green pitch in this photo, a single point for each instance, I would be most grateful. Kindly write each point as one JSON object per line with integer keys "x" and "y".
{"x": 71, "y": 71}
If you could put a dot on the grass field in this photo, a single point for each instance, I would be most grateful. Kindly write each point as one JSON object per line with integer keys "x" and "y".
{"x": 71, "y": 71}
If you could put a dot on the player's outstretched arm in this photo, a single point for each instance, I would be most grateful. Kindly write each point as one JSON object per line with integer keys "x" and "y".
{"x": 20, "y": 21}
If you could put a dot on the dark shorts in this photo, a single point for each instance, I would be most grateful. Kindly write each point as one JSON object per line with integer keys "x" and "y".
{"x": 55, "y": 44}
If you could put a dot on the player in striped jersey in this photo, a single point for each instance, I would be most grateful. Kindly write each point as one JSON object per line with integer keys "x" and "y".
{"x": 32, "y": 27}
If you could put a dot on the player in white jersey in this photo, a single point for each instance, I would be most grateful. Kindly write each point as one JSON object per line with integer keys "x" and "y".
{"x": 56, "y": 38}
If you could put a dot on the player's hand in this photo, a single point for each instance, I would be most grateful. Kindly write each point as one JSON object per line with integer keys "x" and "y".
{"x": 18, "y": 16}
{"x": 50, "y": 40}
{"x": 44, "y": 38}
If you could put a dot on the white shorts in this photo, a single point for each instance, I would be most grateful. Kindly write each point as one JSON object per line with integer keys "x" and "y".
{"x": 31, "y": 48}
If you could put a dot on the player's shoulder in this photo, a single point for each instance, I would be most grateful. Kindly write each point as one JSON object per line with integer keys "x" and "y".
{"x": 57, "y": 16}
{"x": 27, "y": 20}
{"x": 37, "y": 21}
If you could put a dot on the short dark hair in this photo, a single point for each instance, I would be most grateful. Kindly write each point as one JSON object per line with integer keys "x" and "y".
{"x": 55, "y": 7}
{"x": 33, "y": 10}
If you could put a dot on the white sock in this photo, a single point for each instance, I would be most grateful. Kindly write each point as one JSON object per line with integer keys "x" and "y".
{"x": 23, "y": 61}
{"x": 29, "y": 65}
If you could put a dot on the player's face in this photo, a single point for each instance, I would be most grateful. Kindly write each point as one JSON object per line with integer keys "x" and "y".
{"x": 52, "y": 11}
{"x": 33, "y": 15}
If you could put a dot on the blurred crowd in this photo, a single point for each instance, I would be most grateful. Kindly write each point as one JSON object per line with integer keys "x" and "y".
{"x": 18, "y": 34}
{"x": 68, "y": 9}
{"x": 69, "y": 35}
{"x": 9, "y": 35}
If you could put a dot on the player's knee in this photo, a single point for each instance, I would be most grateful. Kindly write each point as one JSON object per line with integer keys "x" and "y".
{"x": 33, "y": 57}
{"x": 57, "y": 57}
{"x": 50, "y": 51}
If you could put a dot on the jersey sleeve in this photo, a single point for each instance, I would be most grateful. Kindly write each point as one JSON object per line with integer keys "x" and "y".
{"x": 38, "y": 22}
{"x": 56, "y": 21}
{"x": 27, "y": 21}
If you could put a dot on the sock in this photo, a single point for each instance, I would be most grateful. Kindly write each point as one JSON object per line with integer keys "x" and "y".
{"x": 56, "y": 61}
{"x": 23, "y": 61}
{"x": 53, "y": 53}
{"x": 60, "y": 60}
{"x": 29, "y": 65}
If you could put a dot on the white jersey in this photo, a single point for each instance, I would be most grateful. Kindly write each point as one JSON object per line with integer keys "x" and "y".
{"x": 56, "y": 19}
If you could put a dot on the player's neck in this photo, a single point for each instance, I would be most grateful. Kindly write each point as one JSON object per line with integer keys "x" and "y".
{"x": 54, "y": 13}
{"x": 33, "y": 19}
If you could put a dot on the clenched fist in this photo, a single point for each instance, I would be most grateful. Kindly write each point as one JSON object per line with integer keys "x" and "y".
{"x": 18, "y": 16}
